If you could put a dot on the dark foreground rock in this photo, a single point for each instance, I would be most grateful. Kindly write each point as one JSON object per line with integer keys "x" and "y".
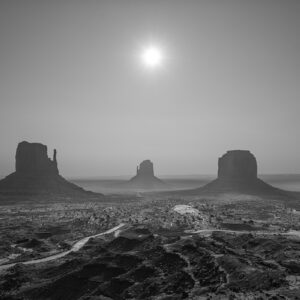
{"x": 37, "y": 174}
{"x": 152, "y": 266}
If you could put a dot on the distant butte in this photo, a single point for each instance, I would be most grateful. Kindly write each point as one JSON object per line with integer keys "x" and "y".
{"x": 37, "y": 174}
{"x": 237, "y": 174}
{"x": 145, "y": 178}
{"x": 32, "y": 159}
{"x": 237, "y": 165}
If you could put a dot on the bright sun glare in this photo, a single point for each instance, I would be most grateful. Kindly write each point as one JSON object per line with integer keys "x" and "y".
{"x": 152, "y": 57}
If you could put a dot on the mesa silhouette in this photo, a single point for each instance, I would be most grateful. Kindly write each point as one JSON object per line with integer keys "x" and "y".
{"x": 36, "y": 174}
{"x": 145, "y": 178}
{"x": 237, "y": 173}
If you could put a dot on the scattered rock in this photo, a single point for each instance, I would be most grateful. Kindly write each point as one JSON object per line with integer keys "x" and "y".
{"x": 188, "y": 270}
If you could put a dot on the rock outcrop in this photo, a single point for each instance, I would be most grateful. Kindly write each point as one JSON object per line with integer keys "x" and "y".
{"x": 237, "y": 165}
{"x": 145, "y": 178}
{"x": 37, "y": 174}
{"x": 145, "y": 169}
{"x": 237, "y": 174}
{"x": 32, "y": 159}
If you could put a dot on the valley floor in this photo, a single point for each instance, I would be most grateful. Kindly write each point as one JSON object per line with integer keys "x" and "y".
{"x": 234, "y": 246}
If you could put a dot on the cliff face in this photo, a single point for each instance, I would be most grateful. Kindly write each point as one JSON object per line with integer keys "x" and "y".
{"x": 145, "y": 169}
{"x": 237, "y": 165}
{"x": 145, "y": 178}
{"x": 237, "y": 174}
{"x": 32, "y": 159}
{"x": 37, "y": 174}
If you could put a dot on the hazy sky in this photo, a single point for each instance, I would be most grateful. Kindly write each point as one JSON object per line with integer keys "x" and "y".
{"x": 71, "y": 77}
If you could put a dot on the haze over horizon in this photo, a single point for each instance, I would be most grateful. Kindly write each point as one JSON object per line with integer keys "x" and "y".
{"x": 71, "y": 78}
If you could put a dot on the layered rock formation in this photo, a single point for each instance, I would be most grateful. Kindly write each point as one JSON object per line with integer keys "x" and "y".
{"x": 145, "y": 178}
{"x": 237, "y": 173}
{"x": 37, "y": 174}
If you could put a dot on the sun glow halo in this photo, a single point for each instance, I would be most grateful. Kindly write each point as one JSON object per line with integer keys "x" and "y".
{"x": 152, "y": 57}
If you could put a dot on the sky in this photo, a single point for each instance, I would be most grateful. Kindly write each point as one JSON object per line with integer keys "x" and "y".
{"x": 71, "y": 77}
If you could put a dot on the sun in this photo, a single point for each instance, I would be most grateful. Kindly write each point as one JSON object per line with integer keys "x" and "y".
{"x": 152, "y": 57}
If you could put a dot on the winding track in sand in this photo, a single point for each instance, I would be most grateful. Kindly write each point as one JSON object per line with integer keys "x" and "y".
{"x": 77, "y": 246}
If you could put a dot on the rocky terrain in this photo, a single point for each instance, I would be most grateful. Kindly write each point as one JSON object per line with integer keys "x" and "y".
{"x": 238, "y": 240}
{"x": 141, "y": 264}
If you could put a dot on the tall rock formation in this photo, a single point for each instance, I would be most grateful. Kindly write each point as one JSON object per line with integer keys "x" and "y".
{"x": 37, "y": 174}
{"x": 237, "y": 165}
{"x": 32, "y": 158}
{"x": 145, "y": 178}
{"x": 237, "y": 174}
{"x": 145, "y": 169}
